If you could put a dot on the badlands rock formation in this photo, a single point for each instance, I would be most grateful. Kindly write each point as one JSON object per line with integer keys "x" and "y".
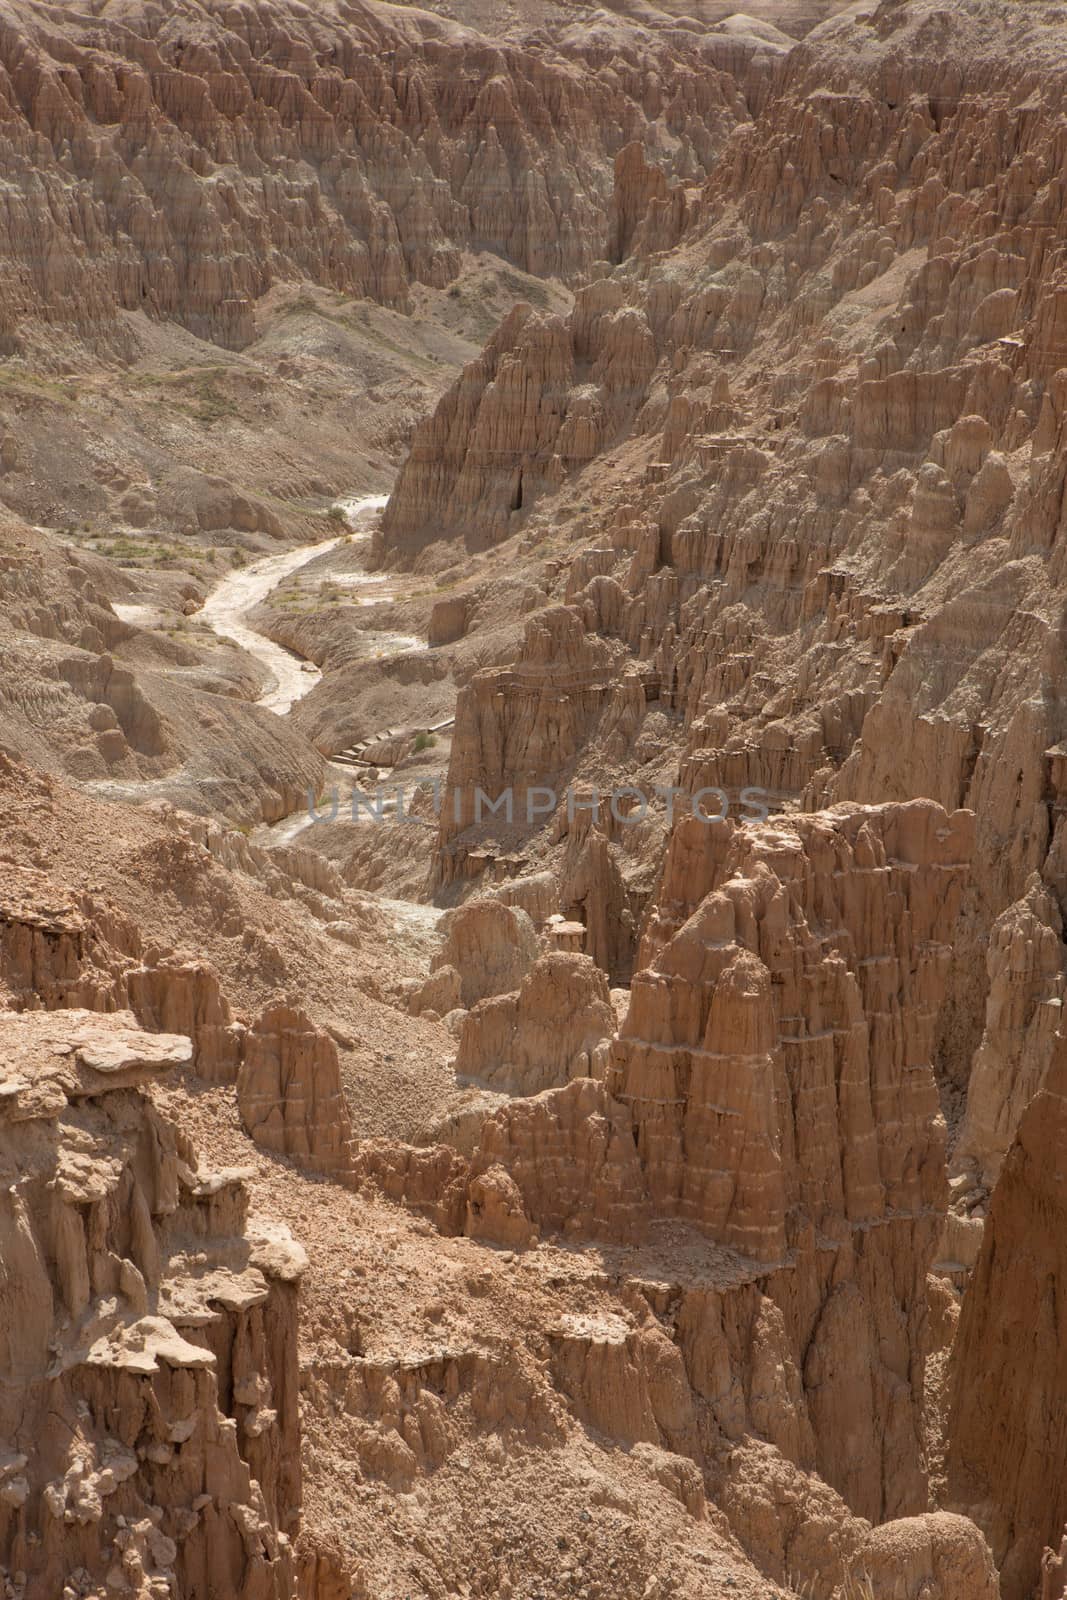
{"x": 773, "y": 1084}
{"x": 182, "y": 161}
{"x": 837, "y": 461}
{"x": 556, "y": 1028}
{"x": 150, "y": 1415}
{"x": 1007, "y": 1374}
{"x": 720, "y": 361}
{"x": 488, "y": 950}
{"x": 289, "y": 1092}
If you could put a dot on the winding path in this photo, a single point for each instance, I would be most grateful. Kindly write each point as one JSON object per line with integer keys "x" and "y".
{"x": 226, "y": 607}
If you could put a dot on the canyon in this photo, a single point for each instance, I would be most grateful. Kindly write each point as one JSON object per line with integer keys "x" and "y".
{"x": 533, "y": 777}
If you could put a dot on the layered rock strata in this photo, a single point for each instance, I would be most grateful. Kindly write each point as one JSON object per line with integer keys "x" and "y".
{"x": 289, "y": 1092}
{"x": 555, "y": 1028}
{"x": 489, "y": 948}
{"x": 150, "y": 1410}
{"x": 1006, "y": 1442}
{"x": 772, "y": 1084}
{"x": 180, "y": 164}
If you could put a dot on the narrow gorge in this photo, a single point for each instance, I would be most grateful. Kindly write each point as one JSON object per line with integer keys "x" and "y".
{"x": 533, "y": 800}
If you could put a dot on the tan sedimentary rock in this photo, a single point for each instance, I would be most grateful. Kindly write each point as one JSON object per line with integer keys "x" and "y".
{"x": 148, "y": 1333}
{"x": 838, "y": 576}
{"x": 1054, "y": 1572}
{"x": 448, "y": 620}
{"x": 62, "y": 950}
{"x": 183, "y": 996}
{"x": 1005, "y": 1440}
{"x": 537, "y": 895}
{"x": 432, "y": 1181}
{"x": 1027, "y": 972}
{"x": 937, "y": 1554}
{"x": 71, "y": 1055}
{"x": 773, "y": 1084}
{"x": 460, "y": 1124}
{"x": 817, "y": 524}
{"x": 490, "y": 945}
{"x": 495, "y": 1210}
{"x": 810, "y": 907}
{"x": 593, "y": 886}
{"x": 56, "y": 955}
{"x": 772, "y": 1123}
{"x": 519, "y": 730}
{"x": 289, "y": 1091}
{"x": 500, "y": 439}
{"x": 627, "y": 1378}
{"x": 571, "y": 1156}
{"x": 555, "y": 1028}
{"x": 639, "y": 186}
{"x": 359, "y": 150}
{"x": 76, "y": 952}
{"x": 441, "y": 992}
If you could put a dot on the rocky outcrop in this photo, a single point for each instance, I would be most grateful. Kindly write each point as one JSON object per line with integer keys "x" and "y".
{"x": 846, "y": 920}
{"x": 149, "y": 1334}
{"x": 500, "y": 439}
{"x": 179, "y": 995}
{"x": 800, "y": 527}
{"x": 772, "y": 1084}
{"x": 448, "y": 620}
{"x": 554, "y": 1029}
{"x": 358, "y": 149}
{"x": 1054, "y": 1572}
{"x": 431, "y": 1181}
{"x": 60, "y": 949}
{"x": 1005, "y": 1432}
{"x": 489, "y": 946}
{"x": 629, "y": 1381}
{"x": 777, "y": 1063}
{"x": 57, "y": 953}
{"x": 1027, "y": 972}
{"x": 569, "y": 1158}
{"x": 289, "y": 1092}
{"x": 519, "y": 731}
{"x": 937, "y": 1554}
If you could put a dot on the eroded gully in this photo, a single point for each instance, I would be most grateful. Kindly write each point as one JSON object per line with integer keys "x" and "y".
{"x": 225, "y": 612}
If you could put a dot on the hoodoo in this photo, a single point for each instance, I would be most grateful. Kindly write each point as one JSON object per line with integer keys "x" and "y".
{"x": 533, "y": 800}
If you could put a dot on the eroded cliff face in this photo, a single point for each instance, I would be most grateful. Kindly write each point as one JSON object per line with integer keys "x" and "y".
{"x": 1007, "y": 1378}
{"x": 181, "y": 161}
{"x": 773, "y": 1084}
{"x": 149, "y": 1411}
{"x": 808, "y": 451}
{"x": 775, "y": 505}
{"x": 794, "y": 472}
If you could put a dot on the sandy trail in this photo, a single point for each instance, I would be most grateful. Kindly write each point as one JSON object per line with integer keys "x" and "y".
{"x": 226, "y": 607}
{"x": 225, "y": 611}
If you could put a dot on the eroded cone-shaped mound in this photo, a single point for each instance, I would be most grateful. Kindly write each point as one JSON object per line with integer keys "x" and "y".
{"x": 492, "y": 947}
{"x": 934, "y": 1554}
